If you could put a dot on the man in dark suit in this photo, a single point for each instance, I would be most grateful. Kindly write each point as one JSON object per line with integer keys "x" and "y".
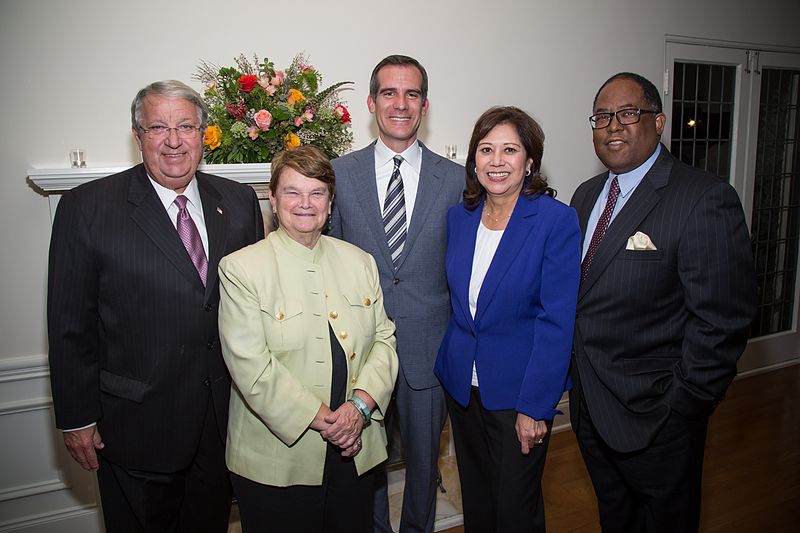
{"x": 666, "y": 299}
{"x": 139, "y": 385}
{"x": 391, "y": 200}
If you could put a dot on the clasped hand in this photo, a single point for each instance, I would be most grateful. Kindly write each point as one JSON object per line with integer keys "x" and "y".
{"x": 342, "y": 427}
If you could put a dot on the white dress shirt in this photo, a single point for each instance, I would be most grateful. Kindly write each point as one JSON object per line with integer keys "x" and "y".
{"x": 627, "y": 184}
{"x": 194, "y": 205}
{"x": 409, "y": 170}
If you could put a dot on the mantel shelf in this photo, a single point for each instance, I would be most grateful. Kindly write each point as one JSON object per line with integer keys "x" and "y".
{"x": 60, "y": 180}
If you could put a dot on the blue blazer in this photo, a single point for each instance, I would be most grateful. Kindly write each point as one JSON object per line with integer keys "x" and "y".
{"x": 521, "y": 337}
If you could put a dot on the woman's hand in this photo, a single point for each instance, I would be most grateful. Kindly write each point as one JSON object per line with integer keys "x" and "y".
{"x": 319, "y": 423}
{"x": 346, "y": 425}
{"x": 344, "y": 430}
{"x": 530, "y": 432}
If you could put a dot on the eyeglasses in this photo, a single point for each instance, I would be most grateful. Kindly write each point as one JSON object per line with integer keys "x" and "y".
{"x": 184, "y": 131}
{"x": 624, "y": 117}
{"x": 292, "y": 195}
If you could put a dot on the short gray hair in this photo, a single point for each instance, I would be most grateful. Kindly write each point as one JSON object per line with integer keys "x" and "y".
{"x": 171, "y": 89}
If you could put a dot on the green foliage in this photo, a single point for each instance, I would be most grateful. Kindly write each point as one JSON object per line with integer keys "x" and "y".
{"x": 251, "y": 118}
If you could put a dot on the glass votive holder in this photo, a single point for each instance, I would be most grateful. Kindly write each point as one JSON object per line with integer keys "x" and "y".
{"x": 451, "y": 150}
{"x": 77, "y": 158}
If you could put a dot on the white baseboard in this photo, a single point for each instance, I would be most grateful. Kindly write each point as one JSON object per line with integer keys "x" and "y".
{"x": 78, "y": 519}
{"x": 767, "y": 368}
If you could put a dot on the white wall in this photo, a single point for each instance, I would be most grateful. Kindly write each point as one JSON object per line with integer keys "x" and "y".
{"x": 69, "y": 69}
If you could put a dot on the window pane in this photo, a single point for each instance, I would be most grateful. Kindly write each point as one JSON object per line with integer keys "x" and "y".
{"x": 776, "y": 205}
{"x": 702, "y": 117}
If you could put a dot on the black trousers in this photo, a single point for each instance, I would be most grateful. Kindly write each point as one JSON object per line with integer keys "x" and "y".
{"x": 197, "y": 499}
{"x": 655, "y": 490}
{"x": 501, "y": 489}
{"x": 342, "y": 504}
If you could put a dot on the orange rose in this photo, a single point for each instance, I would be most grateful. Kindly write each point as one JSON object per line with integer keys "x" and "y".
{"x": 213, "y": 137}
{"x": 291, "y": 140}
{"x": 295, "y": 96}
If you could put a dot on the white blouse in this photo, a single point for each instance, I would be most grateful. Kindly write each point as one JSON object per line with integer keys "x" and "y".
{"x": 486, "y": 243}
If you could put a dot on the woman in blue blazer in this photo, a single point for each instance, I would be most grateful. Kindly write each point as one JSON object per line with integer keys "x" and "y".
{"x": 513, "y": 266}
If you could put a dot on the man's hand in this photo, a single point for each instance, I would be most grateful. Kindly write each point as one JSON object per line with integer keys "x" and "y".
{"x": 81, "y": 445}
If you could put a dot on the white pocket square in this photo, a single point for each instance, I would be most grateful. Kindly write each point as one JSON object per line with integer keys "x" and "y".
{"x": 640, "y": 241}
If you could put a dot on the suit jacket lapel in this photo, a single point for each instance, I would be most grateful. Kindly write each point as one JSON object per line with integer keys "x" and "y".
{"x": 150, "y": 216}
{"x": 590, "y": 198}
{"x": 643, "y": 200}
{"x": 430, "y": 184}
{"x": 216, "y": 220}
{"x": 520, "y": 225}
{"x": 367, "y": 191}
{"x": 463, "y": 247}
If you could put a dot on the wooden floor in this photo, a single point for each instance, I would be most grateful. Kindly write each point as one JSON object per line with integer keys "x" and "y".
{"x": 751, "y": 480}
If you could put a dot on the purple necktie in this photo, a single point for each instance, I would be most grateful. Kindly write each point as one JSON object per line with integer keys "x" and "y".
{"x": 600, "y": 229}
{"x": 191, "y": 238}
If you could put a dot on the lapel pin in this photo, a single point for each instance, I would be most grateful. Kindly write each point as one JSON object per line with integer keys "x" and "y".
{"x": 219, "y": 210}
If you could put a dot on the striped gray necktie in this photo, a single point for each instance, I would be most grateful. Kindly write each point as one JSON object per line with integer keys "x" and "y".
{"x": 394, "y": 212}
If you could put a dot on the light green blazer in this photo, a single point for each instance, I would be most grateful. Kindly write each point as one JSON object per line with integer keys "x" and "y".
{"x": 277, "y": 298}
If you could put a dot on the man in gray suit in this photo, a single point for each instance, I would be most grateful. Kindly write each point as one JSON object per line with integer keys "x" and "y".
{"x": 391, "y": 200}
{"x": 665, "y": 303}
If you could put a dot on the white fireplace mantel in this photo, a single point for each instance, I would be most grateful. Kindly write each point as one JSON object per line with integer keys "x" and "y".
{"x": 52, "y": 183}
{"x": 60, "y": 180}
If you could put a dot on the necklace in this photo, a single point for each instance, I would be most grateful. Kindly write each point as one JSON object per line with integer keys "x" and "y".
{"x": 490, "y": 215}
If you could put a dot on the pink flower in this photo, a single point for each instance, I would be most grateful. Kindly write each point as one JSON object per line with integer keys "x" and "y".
{"x": 305, "y": 67}
{"x": 263, "y": 119}
{"x": 252, "y": 132}
{"x": 263, "y": 81}
{"x": 270, "y": 89}
{"x": 305, "y": 117}
{"x": 277, "y": 80}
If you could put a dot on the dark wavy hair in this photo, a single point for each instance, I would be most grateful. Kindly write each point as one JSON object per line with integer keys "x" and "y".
{"x": 532, "y": 138}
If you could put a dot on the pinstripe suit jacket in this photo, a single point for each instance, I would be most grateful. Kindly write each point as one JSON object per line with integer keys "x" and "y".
{"x": 662, "y": 330}
{"x": 132, "y": 331}
{"x": 415, "y": 296}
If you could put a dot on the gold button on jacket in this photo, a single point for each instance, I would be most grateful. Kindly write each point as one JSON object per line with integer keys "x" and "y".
{"x": 274, "y": 327}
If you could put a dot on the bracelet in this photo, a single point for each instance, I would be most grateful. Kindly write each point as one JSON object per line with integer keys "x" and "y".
{"x": 361, "y": 407}
{"x": 358, "y": 410}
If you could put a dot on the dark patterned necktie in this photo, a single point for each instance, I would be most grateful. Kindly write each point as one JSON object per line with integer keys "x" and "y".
{"x": 600, "y": 229}
{"x": 394, "y": 213}
{"x": 191, "y": 238}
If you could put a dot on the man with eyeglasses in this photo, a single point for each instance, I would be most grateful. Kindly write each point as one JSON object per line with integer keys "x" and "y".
{"x": 139, "y": 385}
{"x": 665, "y": 303}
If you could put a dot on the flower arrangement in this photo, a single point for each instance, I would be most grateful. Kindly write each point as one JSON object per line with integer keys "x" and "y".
{"x": 255, "y": 111}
